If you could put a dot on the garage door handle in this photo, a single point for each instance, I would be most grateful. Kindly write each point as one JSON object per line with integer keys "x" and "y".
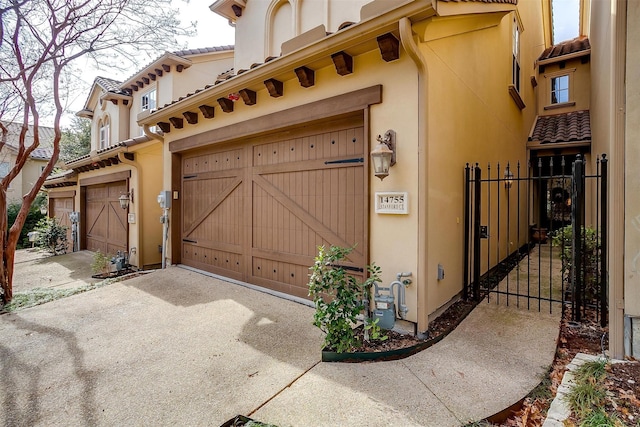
{"x": 189, "y": 241}
{"x": 190, "y": 176}
{"x": 356, "y": 160}
{"x": 348, "y": 267}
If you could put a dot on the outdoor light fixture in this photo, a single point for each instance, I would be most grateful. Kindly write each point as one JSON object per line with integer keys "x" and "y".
{"x": 125, "y": 199}
{"x": 383, "y": 156}
{"x": 43, "y": 209}
{"x": 508, "y": 178}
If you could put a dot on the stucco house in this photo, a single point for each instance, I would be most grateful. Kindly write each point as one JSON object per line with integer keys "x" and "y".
{"x": 271, "y": 159}
{"x": 23, "y": 182}
{"x": 126, "y": 160}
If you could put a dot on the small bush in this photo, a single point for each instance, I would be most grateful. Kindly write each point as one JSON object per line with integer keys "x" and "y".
{"x": 52, "y": 236}
{"x": 338, "y": 298}
{"x": 101, "y": 263}
{"x": 590, "y": 244}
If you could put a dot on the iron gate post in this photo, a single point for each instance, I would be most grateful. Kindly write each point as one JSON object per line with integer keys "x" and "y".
{"x": 604, "y": 203}
{"x": 476, "y": 233}
{"x": 576, "y": 243}
{"x": 467, "y": 229}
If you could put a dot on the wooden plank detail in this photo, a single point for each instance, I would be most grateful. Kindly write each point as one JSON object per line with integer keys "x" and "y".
{"x": 216, "y": 202}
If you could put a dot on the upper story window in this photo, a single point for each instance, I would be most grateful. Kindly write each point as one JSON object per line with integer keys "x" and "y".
{"x": 560, "y": 89}
{"x": 4, "y": 169}
{"x": 104, "y": 133}
{"x": 515, "y": 60}
{"x": 148, "y": 100}
{"x": 559, "y": 92}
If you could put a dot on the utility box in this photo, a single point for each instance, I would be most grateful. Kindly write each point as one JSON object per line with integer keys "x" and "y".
{"x": 385, "y": 311}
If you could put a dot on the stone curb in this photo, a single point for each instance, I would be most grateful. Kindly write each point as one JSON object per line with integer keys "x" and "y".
{"x": 559, "y": 410}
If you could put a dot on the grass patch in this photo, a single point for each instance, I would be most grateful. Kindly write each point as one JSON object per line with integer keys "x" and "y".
{"x": 37, "y": 296}
{"x": 599, "y": 418}
{"x": 587, "y": 397}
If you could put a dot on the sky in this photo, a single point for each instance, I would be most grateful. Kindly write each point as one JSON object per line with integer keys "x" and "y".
{"x": 566, "y": 20}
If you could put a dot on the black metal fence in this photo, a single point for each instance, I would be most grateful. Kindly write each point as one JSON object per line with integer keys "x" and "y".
{"x": 537, "y": 236}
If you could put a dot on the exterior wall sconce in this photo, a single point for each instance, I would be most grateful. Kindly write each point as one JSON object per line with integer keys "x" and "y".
{"x": 43, "y": 209}
{"x": 383, "y": 156}
{"x": 508, "y": 178}
{"x": 125, "y": 199}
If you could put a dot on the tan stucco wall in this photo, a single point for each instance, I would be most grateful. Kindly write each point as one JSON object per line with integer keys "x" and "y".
{"x": 251, "y": 46}
{"x": 23, "y": 182}
{"x": 607, "y": 130}
{"x": 632, "y": 160}
{"x": 579, "y": 87}
{"x": 472, "y": 118}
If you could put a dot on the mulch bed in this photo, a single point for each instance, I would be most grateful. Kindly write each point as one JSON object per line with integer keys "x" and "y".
{"x": 440, "y": 326}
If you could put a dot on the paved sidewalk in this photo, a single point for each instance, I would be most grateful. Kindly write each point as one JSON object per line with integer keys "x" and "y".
{"x": 176, "y": 347}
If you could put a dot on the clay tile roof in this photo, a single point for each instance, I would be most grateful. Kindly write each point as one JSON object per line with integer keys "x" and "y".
{"x": 566, "y": 127}
{"x": 108, "y": 84}
{"x": 42, "y": 153}
{"x": 202, "y": 50}
{"x": 578, "y": 44}
{"x": 485, "y": 1}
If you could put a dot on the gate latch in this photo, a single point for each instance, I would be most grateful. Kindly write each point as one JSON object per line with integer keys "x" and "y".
{"x": 484, "y": 232}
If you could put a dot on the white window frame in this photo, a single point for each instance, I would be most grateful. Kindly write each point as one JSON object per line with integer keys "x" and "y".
{"x": 149, "y": 100}
{"x": 560, "y": 93}
{"x": 516, "y": 69}
{"x": 104, "y": 133}
{"x": 568, "y": 72}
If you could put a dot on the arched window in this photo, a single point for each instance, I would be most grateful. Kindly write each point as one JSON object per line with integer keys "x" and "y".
{"x": 104, "y": 133}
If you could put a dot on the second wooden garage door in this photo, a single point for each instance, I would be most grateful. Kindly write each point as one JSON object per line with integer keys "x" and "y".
{"x": 61, "y": 207}
{"x": 106, "y": 222}
{"x": 258, "y": 211}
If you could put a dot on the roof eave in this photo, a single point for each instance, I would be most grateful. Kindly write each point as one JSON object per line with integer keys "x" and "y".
{"x": 564, "y": 57}
{"x": 167, "y": 59}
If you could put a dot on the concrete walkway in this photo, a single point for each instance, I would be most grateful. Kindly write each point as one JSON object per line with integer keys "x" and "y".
{"x": 176, "y": 347}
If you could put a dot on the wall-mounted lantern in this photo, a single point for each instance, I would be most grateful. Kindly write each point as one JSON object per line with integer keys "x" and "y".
{"x": 125, "y": 199}
{"x": 508, "y": 178}
{"x": 43, "y": 209}
{"x": 383, "y": 156}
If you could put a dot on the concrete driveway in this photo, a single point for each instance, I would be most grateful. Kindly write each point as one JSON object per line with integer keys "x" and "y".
{"x": 176, "y": 347}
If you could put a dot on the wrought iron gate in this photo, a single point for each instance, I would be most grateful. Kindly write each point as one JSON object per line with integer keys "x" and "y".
{"x": 538, "y": 237}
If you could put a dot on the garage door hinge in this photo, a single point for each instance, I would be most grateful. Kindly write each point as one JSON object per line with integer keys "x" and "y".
{"x": 356, "y": 160}
{"x": 348, "y": 267}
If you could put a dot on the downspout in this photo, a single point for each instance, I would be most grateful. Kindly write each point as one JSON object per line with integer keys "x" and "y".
{"x": 153, "y": 135}
{"x": 138, "y": 196}
{"x": 411, "y": 47}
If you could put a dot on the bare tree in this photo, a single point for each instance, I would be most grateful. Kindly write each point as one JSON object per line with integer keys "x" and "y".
{"x": 40, "y": 44}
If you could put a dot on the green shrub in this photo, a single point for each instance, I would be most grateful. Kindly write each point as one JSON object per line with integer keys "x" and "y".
{"x": 590, "y": 257}
{"x": 338, "y": 298}
{"x": 33, "y": 216}
{"x": 52, "y": 236}
{"x": 101, "y": 263}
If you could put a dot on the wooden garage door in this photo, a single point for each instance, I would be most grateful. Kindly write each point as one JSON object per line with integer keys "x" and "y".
{"x": 60, "y": 209}
{"x": 258, "y": 211}
{"x": 106, "y": 222}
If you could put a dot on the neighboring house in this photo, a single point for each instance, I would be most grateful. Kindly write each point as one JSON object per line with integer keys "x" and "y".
{"x": 615, "y": 119}
{"x": 126, "y": 160}
{"x": 271, "y": 159}
{"x": 24, "y": 181}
